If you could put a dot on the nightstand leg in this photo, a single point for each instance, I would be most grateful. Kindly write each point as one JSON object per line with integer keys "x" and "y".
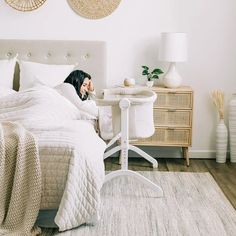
{"x": 120, "y": 158}
{"x": 186, "y": 155}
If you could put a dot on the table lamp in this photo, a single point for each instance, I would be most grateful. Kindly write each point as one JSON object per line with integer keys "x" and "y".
{"x": 173, "y": 48}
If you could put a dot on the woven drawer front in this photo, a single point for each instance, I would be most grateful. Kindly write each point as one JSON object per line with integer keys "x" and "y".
{"x": 176, "y": 100}
{"x": 167, "y": 137}
{"x": 179, "y": 118}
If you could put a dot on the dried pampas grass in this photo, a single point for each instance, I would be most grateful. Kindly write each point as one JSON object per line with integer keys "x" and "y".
{"x": 218, "y": 99}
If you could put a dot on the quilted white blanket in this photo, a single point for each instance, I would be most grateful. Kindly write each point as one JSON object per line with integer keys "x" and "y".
{"x": 45, "y": 113}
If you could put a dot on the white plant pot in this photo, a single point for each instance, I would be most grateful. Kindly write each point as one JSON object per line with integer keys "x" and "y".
{"x": 232, "y": 129}
{"x": 149, "y": 83}
{"x": 221, "y": 142}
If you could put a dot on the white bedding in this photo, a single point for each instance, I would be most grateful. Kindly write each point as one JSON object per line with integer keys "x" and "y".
{"x": 73, "y": 172}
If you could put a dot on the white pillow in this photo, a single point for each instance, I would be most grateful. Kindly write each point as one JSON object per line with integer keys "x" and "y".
{"x": 7, "y": 68}
{"x": 32, "y": 74}
{"x": 6, "y": 91}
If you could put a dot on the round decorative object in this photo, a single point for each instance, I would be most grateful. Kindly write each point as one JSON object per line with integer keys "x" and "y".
{"x": 94, "y": 9}
{"x": 25, "y": 5}
{"x": 128, "y": 82}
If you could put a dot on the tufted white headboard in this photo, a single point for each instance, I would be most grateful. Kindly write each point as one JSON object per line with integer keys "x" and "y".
{"x": 89, "y": 55}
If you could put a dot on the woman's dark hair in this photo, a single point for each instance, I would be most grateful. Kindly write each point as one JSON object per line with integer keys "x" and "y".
{"x": 76, "y": 78}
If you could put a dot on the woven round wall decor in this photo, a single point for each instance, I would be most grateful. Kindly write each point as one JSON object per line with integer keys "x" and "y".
{"x": 25, "y": 5}
{"x": 94, "y": 9}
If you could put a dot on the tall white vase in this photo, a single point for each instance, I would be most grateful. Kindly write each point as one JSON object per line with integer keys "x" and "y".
{"x": 221, "y": 142}
{"x": 232, "y": 128}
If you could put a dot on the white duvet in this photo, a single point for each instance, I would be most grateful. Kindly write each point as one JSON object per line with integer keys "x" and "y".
{"x": 56, "y": 122}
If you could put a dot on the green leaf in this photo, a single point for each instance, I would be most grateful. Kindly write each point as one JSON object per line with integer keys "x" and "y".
{"x": 145, "y": 67}
{"x": 157, "y": 71}
{"x": 145, "y": 72}
{"x": 155, "y": 77}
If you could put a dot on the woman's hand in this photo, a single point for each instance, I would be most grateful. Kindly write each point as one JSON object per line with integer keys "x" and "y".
{"x": 90, "y": 86}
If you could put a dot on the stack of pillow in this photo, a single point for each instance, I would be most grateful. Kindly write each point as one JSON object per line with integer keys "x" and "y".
{"x": 32, "y": 74}
{"x": 7, "y": 68}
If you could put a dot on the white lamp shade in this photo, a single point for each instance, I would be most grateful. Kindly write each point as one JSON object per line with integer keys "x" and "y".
{"x": 173, "y": 47}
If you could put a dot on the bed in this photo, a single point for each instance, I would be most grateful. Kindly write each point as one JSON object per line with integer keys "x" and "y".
{"x": 65, "y": 145}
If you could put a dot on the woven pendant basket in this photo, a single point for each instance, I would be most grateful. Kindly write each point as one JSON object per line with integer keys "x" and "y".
{"x": 25, "y": 5}
{"x": 94, "y": 9}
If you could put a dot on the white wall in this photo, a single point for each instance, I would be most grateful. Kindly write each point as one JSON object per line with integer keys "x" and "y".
{"x": 133, "y": 33}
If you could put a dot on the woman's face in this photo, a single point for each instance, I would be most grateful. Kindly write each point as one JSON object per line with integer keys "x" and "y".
{"x": 85, "y": 86}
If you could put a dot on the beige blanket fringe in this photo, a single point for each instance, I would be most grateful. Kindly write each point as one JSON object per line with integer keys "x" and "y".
{"x": 20, "y": 180}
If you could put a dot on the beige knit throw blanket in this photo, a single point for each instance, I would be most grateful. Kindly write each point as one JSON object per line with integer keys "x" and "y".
{"x": 20, "y": 180}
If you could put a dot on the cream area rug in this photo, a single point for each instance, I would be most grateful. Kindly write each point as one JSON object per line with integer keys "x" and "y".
{"x": 193, "y": 204}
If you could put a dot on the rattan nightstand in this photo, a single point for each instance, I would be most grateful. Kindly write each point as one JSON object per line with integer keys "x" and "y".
{"x": 173, "y": 111}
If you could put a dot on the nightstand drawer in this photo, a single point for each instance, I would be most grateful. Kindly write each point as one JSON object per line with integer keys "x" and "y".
{"x": 172, "y": 117}
{"x": 168, "y": 137}
{"x": 174, "y": 100}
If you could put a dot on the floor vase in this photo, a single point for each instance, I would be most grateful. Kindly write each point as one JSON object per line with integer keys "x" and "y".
{"x": 232, "y": 128}
{"x": 221, "y": 142}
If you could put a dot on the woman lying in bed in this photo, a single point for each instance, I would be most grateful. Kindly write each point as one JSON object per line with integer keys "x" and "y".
{"x": 82, "y": 83}
{"x": 79, "y": 84}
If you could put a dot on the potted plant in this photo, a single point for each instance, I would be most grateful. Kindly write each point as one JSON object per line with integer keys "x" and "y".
{"x": 151, "y": 76}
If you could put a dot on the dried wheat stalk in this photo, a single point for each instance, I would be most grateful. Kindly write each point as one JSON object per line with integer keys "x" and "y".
{"x": 218, "y": 99}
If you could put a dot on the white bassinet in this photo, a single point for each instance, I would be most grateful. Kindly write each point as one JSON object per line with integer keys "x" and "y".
{"x": 140, "y": 112}
{"x": 132, "y": 118}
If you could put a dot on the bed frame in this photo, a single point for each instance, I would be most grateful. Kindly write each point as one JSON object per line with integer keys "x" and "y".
{"x": 89, "y": 56}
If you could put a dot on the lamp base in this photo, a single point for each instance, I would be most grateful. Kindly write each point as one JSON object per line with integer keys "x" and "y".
{"x": 172, "y": 79}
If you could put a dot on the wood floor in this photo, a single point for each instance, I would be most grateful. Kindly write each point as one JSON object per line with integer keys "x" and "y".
{"x": 224, "y": 174}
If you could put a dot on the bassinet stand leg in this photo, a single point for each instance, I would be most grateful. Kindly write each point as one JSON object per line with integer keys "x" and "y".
{"x": 124, "y": 147}
{"x": 144, "y": 155}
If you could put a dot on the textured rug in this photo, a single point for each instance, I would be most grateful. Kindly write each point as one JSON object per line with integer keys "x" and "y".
{"x": 193, "y": 204}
